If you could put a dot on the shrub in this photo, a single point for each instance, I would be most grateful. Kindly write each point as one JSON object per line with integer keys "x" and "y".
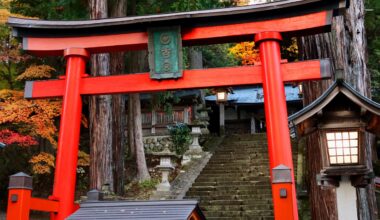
{"x": 181, "y": 137}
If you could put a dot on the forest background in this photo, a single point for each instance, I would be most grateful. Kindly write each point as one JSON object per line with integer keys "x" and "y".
{"x": 29, "y": 128}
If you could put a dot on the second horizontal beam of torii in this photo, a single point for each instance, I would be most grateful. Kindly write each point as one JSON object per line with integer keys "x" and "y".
{"x": 200, "y": 78}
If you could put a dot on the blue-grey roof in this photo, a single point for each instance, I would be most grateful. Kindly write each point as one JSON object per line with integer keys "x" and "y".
{"x": 255, "y": 95}
{"x": 163, "y": 210}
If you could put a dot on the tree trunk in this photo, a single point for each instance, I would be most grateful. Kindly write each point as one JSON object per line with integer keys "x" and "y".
{"x": 117, "y": 66}
{"x": 196, "y": 62}
{"x": 346, "y": 45}
{"x": 137, "y": 63}
{"x": 142, "y": 169}
{"x": 101, "y": 172}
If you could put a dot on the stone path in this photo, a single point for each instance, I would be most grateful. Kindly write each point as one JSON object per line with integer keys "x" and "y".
{"x": 235, "y": 183}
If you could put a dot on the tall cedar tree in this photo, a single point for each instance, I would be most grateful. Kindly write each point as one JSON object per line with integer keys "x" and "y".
{"x": 101, "y": 172}
{"x": 118, "y": 8}
{"x": 346, "y": 45}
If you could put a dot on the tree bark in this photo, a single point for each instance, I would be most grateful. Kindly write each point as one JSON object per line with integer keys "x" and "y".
{"x": 346, "y": 45}
{"x": 117, "y": 66}
{"x": 138, "y": 63}
{"x": 101, "y": 172}
{"x": 142, "y": 169}
{"x": 196, "y": 62}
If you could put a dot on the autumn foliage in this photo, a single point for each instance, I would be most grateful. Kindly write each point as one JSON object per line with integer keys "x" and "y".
{"x": 36, "y": 72}
{"x": 246, "y": 52}
{"x": 35, "y": 117}
{"x": 249, "y": 55}
{"x": 9, "y": 137}
{"x": 42, "y": 163}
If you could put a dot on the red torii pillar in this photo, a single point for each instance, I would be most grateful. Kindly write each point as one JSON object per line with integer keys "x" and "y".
{"x": 68, "y": 142}
{"x": 276, "y": 116}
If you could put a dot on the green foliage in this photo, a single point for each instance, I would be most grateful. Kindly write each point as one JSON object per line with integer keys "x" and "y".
{"x": 372, "y": 23}
{"x": 148, "y": 184}
{"x": 192, "y": 5}
{"x": 181, "y": 137}
{"x": 60, "y": 9}
{"x": 218, "y": 55}
{"x": 164, "y": 101}
{"x": 155, "y": 7}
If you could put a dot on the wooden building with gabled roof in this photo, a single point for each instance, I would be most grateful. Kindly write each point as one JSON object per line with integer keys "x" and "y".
{"x": 344, "y": 101}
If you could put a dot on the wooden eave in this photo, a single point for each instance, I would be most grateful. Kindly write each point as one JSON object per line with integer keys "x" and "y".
{"x": 304, "y": 120}
{"x": 224, "y": 16}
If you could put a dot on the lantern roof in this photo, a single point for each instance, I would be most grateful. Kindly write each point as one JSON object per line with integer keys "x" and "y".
{"x": 338, "y": 95}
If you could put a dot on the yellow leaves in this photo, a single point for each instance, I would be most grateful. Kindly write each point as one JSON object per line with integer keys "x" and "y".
{"x": 5, "y": 14}
{"x": 246, "y": 52}
{"x": 36, "y": 72}
{"x": 37, "y": 116}
{"x": 43, "y": 163}
{"x": 241, "y": 2}
{"x": 83, "y": 159}
{"x": 293, "y": 48}
{"x": 248, "y": 55}
{"x": 5, "y": 4}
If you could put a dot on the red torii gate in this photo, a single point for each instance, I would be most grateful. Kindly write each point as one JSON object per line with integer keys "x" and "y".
{"x": 76, "y": 40}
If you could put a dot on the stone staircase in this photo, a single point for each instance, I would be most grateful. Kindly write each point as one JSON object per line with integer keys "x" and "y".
{"x": 235, "y": 182}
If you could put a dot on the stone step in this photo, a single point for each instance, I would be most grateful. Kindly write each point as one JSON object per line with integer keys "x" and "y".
{"x": 235, "y": 175}
{"x": 228, "y": 178}
{"x": 246, "y": 213}
{"x": 228, "y": 161}
{"x": 242, "y": 218}
{"x": 195, "y": 192}
{"x": 261, "y": 136}
{"x": 229, "y": 188}
{"x": 259, "y": 197}
{"x": 232, "y": 141}
{"x": 241, "y": 157}
{"x": 248, "y": 145}
{"x": 237, "y": 167}
{"x": 252, "y": 153}
{"x": 252, "y": 207}
{"x": 226, "y": 170}
{"x": 236, "y": 202}
{"x": 233, "y": 183}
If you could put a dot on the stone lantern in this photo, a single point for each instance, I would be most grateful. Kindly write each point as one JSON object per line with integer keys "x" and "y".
{"x": 221, "y": 98}
{"x": 165, "y": 167}
{"x": 195, "y": 133}
{"x": 341, "y": 117}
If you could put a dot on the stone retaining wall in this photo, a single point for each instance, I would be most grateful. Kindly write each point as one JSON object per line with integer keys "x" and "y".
{"x": 157, "y": 143}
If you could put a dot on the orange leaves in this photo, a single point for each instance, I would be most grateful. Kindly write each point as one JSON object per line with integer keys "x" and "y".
{"x": 246, "y": 52}
{"x": 36, "y": 117}
{"x": 43, "y": 163}
{"x": 36, "y": 72}
{"x": 4, "y": 14}
{"x": 83, "y": 159}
